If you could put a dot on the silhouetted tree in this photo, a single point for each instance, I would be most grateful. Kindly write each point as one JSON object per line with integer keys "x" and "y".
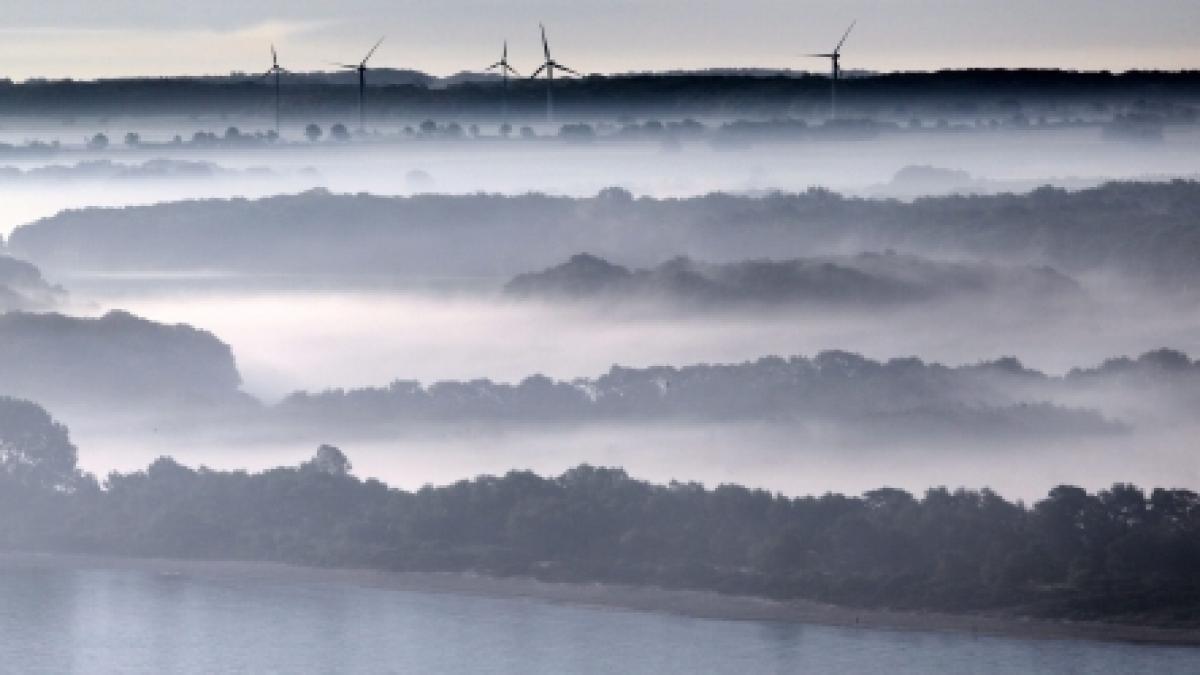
{"x": 35, "y": 451}
{"x": 330, "y": 460}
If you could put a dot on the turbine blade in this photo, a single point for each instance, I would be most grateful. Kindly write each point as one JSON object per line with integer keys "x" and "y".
{"x": 538, "y": 71}
{"x": 573, "y": 72}
{"x": 505, "y": 55}
{"x": 372, "y": 52}
{"x": 493, "y": 66}
{"x": 843, "y": 41}
{"x": 274, "y": 56}
{"x": 545, "y": 43}
{"x": 511, "y": 70}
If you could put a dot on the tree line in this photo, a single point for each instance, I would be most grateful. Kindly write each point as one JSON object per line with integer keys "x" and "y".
{"x": 1076, "y": 232}
{"x": 1120, "y": 554}
{"x": 707, "y": 92}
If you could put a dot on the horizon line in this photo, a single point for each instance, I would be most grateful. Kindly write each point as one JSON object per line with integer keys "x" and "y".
{"x": 727, "y": 71}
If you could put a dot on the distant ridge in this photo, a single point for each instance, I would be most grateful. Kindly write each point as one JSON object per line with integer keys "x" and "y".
{"x": 715, "y": 91}
{"x": 297, "y": 233}
{"x": 412, "y": 76}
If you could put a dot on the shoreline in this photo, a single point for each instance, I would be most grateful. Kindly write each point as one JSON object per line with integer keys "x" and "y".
{"x": 688, "y": 603}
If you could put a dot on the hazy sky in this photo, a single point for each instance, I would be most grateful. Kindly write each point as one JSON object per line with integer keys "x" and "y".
{"x": 87, "y": 38}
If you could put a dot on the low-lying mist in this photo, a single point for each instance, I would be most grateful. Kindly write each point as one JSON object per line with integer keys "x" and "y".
{"x": 788, "y": 459}
{"x": 992, "y": 162}
{"x": 280, "y": 282}
{"x": 313, "y": 339}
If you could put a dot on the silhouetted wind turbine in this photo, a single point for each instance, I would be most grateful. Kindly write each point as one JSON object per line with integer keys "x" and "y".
{"x": 275, "y": 70}
{"x": 836, "y": 57}
{"x": 549, "y": 66}
{"x": 361, "y": 67}
{"x": 505, "y": 69}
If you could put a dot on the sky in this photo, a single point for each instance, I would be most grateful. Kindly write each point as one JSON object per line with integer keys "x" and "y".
{"x": 89, "y": 39}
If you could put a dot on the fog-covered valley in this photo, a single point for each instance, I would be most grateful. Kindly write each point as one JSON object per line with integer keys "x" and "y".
{"x": 132, "y": 388}
{"x": 1018, "y": 432}
{"x": 969, "y": 161}
{"x": 442, "y": 303}
{"x": 311, "y": 339}
{"x": 912, "y": 350}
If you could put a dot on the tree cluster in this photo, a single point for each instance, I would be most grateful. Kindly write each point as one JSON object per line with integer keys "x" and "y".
{"x": 863, "y": 280}
{"x": 318, "y": 232}
{"x": 1120, "y": 554}
{"x": 904, "y": 396}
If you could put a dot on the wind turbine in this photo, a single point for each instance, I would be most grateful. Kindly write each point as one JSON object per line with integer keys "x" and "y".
{"x": 361, "y": 67}
{"x": 505, "y": 69}
{"x": 836, "y": 57}
{"x": 549, "y": 66}
{"x": 275, "y": 70}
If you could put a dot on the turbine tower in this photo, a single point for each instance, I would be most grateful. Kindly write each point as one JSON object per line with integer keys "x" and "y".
{"x": 361, "y": 67}
{"x": 505, "y": 69}
{"x": 275, "y": 70}
{"x": 836, "y": 58}
{"x": 549, "y": 66}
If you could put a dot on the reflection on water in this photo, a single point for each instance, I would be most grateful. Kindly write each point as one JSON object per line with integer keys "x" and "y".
{"x": 111, "y": 621}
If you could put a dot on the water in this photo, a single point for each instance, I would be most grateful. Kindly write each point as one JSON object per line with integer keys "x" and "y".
{"x": 129, "y": 622}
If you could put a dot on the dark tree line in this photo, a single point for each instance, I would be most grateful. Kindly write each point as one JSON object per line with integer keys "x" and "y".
{"x": 897, "y": 396}
{"x": 115, "y": 361}
{"x": 318, "y": 232}
{"x": 704, "y": 93}
{"x": 120, "y": 363}
{"x": 1119, "y": 554}
{"x": 863, "y": 280}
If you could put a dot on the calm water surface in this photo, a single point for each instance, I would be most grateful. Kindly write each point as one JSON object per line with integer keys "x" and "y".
{"x": 118, "y": 621}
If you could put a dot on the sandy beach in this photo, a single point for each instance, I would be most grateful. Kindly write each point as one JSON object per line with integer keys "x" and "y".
{"x": 698, "y": 604}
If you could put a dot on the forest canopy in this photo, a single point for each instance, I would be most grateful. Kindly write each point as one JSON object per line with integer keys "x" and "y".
{"x": 115, "y": 361}
{"x": 317, "y": 232}
{"x": 866, "y": 280}
{"x": 1121, "y": 554}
